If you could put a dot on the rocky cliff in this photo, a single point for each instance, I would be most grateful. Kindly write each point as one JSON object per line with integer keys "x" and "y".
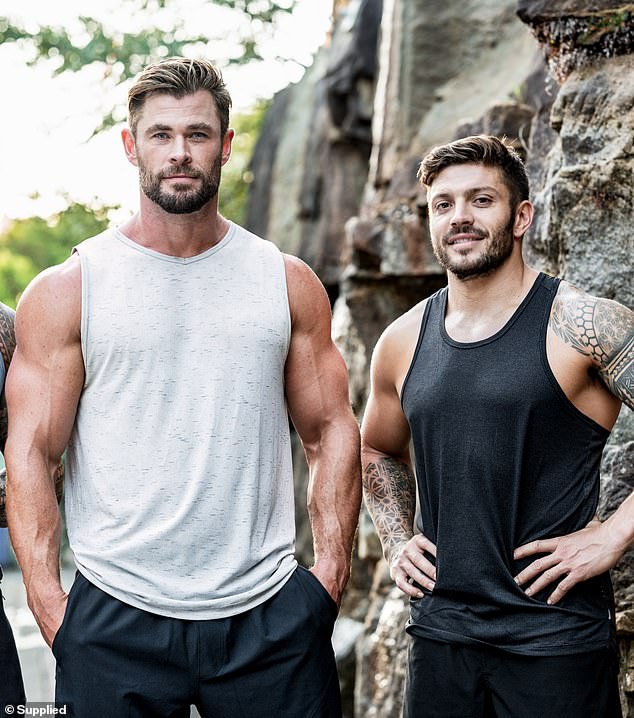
{"x": 335, "y": 182}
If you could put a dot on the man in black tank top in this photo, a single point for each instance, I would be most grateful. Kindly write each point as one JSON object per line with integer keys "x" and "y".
{"x": 506, "y": 384}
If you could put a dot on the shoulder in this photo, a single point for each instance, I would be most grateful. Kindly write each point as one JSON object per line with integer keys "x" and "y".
{"x": 404, "y": 330}
{"x": 593, "y": 326}
{"x": 51, "y": 300}
{"x": 307, "y": 296}
{"x": 394, "y": 351}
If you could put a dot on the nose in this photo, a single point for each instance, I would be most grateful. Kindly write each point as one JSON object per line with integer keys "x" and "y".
{"x": 180, "y": 153}
{"x": 461, "y": 214}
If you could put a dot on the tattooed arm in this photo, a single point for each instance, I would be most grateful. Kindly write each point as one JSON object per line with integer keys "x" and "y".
{"x": 601, "y": 331}
{"x": 389, "y": 486}
{"x": 7, "y": 347}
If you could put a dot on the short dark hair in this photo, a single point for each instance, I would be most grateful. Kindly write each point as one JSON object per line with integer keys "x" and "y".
{"x": 479, "y": 149}
{"x": 179, "y": 76}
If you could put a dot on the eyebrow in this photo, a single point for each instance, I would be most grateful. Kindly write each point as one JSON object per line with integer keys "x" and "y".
{"x": 470, "y": 192}
{"x": 159, "y": 127}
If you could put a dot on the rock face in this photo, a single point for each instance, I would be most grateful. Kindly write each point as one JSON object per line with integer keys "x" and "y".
{"x": 574, "y": 32}
{"x": 555, "y": 76}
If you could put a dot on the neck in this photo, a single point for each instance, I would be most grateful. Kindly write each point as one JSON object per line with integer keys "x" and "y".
{"x": 177, "y": 235}
{"x": 479, "y": 307}
{"x": 503, "y": 288}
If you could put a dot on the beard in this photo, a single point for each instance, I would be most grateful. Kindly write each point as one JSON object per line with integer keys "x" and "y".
{"x": 499, "y": 249}
{"x": 182, "y": 199}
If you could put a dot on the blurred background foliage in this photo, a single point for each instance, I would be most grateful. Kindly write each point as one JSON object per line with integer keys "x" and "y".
{"x": 126, "y": 53}
{"x": 27, "y": 246}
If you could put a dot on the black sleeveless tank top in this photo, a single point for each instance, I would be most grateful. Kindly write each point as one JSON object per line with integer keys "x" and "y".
{"x": 502, "y": 458}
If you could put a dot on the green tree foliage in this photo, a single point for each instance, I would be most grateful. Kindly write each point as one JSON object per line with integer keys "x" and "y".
{"x": 236, "y": 176}
{"x": 27, "y": 246}
{"x": 124, "y": 54}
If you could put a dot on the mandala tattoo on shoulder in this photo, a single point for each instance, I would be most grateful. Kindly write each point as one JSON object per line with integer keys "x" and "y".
{"x": 601, "y": 329}
{"x": 390, "y": 493}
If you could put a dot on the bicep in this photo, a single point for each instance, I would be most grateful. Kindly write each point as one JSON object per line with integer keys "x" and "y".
{"x": 615, "y": 334}
{"x": 384, "y": 430}
{"x": 42, "y": 401}
{"x": 46, "y": 374}
{"x": 316, "y": 378}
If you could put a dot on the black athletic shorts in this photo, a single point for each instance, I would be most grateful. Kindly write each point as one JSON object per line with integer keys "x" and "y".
{"x": 11, "y": 686}
{"x": 447, "y": 680}
{"x": 116, "y": 661}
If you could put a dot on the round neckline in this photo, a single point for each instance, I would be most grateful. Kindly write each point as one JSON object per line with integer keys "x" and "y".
{"x": 500, "y": 332}
{"x": 119, "y": 235}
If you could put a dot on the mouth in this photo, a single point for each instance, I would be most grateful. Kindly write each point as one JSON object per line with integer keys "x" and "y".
{"x": 458, "y": 239}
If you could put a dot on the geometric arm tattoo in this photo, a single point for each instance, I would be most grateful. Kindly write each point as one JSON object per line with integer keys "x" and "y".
{"x": 601, "y": 329}
{"x": 7, "y": 347}
{"x": 389, "y": 489}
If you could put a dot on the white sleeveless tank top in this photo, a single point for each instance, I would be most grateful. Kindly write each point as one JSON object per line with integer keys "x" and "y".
{"x": 179, "y": 488}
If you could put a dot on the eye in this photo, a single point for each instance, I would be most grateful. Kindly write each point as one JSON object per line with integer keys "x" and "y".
{"x": 441, "y": 206}
{"x": 159, "y": 136}
{"x": 199, "y": 135}
{"x": 483, "y": 201}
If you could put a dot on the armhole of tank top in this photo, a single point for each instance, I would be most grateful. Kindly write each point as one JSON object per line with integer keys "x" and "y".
{"x": 419, "y": 341}
{"x": 83, "y": 329}
{"x": 550, "y": 375}
{"x": 287, "y": 301}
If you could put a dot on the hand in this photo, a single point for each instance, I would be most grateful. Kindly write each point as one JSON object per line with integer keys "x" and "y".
{"x": 572, "y": 558}
{"x": 408, "y": 565}
{"x": 333, "y": 578}
{"x": 49, "y": 614}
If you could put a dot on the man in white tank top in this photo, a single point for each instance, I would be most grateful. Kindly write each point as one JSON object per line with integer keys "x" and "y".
{"x": 166, "y": 356}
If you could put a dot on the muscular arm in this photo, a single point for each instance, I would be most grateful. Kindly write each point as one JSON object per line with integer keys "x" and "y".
{"x": 43, "y": 388}
{"x": 602, "y": 331}
{"x": 317, "y": 395}
{"x": 389, "y": 487}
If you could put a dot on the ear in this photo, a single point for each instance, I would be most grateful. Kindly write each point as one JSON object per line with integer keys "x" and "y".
{"x": 129, "y": 146}
{"x": 523, "y": 219}
{"x": 226, "y": 145}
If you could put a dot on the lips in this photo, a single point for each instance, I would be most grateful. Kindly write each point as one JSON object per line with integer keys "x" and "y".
{"x": 462, "y": 235}
{"x": 465, "y": 240}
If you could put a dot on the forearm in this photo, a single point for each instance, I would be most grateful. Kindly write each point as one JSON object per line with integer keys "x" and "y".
{"x": 334, "y": 497}
{"x": 389, "y": 489}
{"x": 620, "y": 526}
{"x": 34, "y": 523}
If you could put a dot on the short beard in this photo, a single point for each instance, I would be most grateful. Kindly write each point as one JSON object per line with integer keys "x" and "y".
{"x": 182, "y": 199}
{"x": 499, "y": 250}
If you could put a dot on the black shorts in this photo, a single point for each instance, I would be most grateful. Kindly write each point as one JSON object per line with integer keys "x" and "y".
{"x": 447, "y": 680}
{"x": 11, "y": 686}
{"x": 116, "y": 661}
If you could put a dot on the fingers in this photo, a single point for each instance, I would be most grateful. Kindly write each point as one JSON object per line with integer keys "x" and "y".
{"x": 539, "y": 546}
{"x": 543, "y": 566}
{"x": 562, "y": 589}
{"x": 411, "y": 567}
